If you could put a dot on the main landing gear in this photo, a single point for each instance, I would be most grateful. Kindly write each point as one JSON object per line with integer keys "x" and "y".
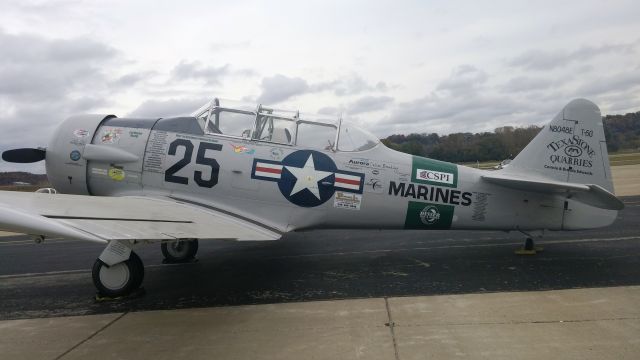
{"x": 529, "y": 247}
{"x": 179, "y": 251}
{"x": 120, "y": 279}
{"x": 119, "y": 272}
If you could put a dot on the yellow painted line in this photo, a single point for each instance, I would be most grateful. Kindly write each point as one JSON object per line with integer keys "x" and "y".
{"x": 16, "y": 242}
{"x": 79, "y": 271}
{"x": 6, "y": 233}
{"x": 538, "y": 241}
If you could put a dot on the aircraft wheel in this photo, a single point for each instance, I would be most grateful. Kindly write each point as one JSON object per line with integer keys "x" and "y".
{"x": 179, "y": 250}
{"x": 120, "y": 279}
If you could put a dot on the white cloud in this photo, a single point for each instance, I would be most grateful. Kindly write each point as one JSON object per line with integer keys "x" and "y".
{"x": 548, "y": 59}
{"x": 278, "y": 88}
{"x": 167, "y": 108}
{"x": 368, "y": 103}
{"x": 424, "y": 66}
{"x": 463, "y": 79}
{"x": 211, "y": 75}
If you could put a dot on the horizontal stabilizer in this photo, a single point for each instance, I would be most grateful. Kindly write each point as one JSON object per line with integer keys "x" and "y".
{"x": 591, "y": 194}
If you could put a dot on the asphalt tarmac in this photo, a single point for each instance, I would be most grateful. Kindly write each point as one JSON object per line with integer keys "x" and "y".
{"x": 54, "y": 279}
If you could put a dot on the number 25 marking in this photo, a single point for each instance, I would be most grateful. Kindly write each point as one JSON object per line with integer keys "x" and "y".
{"x": 201, "y": 159}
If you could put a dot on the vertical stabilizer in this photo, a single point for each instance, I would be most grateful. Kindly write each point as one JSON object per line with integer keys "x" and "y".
{"x": 570, "y": 148}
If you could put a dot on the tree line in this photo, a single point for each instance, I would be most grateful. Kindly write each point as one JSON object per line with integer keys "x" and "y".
{"x": 622, "y": 132}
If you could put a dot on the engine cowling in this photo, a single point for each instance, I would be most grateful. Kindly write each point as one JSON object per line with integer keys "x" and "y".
{"x": 65, "y": 162}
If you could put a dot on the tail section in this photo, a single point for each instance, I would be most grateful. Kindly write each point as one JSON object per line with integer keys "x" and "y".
{"x": 571, "y": 148}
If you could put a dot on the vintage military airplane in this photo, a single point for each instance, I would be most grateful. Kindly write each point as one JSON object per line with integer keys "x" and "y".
{"x": 257, "y": 173}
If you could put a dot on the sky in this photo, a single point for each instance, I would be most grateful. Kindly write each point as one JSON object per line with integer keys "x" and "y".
{"x": 392, "y": 67}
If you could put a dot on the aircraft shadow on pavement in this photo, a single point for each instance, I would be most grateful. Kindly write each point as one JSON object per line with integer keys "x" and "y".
{"x": 286, "y": 271}
{"x": 339, "y": 265}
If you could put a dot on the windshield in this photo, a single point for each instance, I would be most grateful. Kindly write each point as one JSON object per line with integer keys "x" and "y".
{"x": 317, "y": 136}
{"x": 281, "y": 126}
{"x": 355, "y": 139}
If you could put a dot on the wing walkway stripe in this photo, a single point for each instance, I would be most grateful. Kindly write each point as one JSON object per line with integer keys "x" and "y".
{"x": 63, "y": 217}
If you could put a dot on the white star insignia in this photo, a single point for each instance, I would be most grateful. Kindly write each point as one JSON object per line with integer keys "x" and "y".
{"x": 307, "y": 177}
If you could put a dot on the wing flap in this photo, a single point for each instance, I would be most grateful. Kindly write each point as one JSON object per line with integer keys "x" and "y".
{"x": 590, "y": 194}
{"x": 28, "y": 223}
{"x": 121, "y": 218}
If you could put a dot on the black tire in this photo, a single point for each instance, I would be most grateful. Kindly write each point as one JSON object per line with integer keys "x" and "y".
{"x": 120, "y": 279}
{"x": 180, "y": 250}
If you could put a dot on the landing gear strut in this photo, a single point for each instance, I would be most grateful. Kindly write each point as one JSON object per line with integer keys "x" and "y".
{"x": 179, "y": 251}
{"x": 119, "y": 279}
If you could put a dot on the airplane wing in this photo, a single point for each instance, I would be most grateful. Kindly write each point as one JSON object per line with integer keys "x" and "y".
{"x": 591, "y": 194}
{"x": 100, "y": 219}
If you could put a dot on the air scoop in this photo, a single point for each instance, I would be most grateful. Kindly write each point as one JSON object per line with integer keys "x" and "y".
{"x": 103, "y": 153}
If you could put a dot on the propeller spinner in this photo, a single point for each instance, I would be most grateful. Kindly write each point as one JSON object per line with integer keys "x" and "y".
{"x": 24, "y": 155}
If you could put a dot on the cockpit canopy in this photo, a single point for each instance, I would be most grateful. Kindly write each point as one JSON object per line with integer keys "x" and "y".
{"x": 283, "y": 127}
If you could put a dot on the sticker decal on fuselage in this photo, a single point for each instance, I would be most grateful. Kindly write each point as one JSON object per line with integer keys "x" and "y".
{"x": 428, "y": 216}
{"x": 430, "y": 193}
{"x": 434, "y": 172}
{"x": 307, "y": 178}
{"x": 241, "y": 149}
{"x": 110, "y": 135}
{"x": 348, "y": 201}
{"x": 573, "y": 151}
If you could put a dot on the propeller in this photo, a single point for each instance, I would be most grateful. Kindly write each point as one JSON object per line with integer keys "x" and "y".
{"x": 24, "y": 155}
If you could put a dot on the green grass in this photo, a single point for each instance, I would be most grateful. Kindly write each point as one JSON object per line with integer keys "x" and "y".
{"x": 622, "y": 158}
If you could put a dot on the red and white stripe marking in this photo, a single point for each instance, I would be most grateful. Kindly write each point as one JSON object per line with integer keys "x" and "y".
{"x": 268, "y": 170}
{"x": 345, "y": 181}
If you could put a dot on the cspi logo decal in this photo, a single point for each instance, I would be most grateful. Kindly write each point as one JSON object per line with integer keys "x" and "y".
{"x": 307, "y": 178}
{"x": 434, "y": 176}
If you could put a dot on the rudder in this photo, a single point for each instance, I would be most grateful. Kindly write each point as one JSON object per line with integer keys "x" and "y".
{"x": 570, "y": 148}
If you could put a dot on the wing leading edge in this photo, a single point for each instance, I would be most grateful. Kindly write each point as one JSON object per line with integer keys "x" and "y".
{"x": 100, "y": 219}
{"x": 591, "y": 194}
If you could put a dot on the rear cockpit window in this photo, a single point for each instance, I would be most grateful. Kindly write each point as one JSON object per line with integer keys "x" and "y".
{"x": 275, "y": 129}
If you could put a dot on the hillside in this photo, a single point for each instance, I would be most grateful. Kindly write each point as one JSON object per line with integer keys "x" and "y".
{"x": 9, "y": 178}
{"x": 622, "y": 133}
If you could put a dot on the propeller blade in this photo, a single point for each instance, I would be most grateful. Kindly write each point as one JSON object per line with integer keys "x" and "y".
{"x": 25, "y": 155}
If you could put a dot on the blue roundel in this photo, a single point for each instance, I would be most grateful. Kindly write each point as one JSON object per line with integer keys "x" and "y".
{"x": 75, "y": 155}
{"x": 307, "y": 178}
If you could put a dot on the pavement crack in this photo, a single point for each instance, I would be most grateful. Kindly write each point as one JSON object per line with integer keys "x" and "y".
{"x": 483, "y": 323}
{"x": 392, "y": 326}
{"x": 91, "y": 336}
